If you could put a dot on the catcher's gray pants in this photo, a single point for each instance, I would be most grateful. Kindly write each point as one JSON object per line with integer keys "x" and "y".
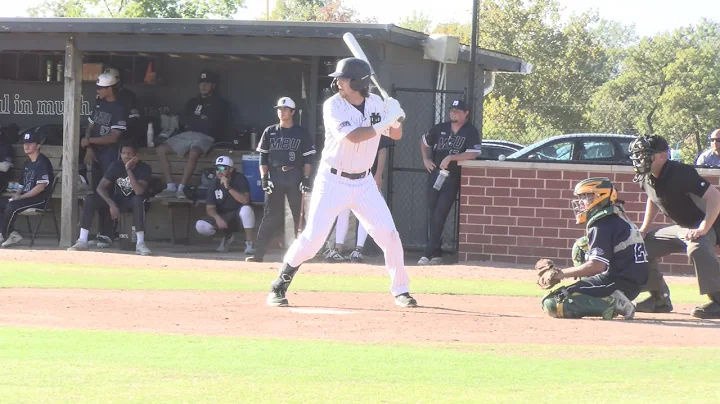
{"x": 668, "y": 240}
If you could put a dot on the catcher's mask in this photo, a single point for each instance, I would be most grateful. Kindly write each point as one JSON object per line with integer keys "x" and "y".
{"x": 593, "y": 195}
{"x": 642, "y": 153}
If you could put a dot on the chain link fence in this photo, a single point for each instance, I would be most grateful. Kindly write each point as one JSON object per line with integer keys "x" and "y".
{"x": 407, "y": 176}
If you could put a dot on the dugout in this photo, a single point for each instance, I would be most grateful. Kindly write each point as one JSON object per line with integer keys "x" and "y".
{"x": 257, "y": 62}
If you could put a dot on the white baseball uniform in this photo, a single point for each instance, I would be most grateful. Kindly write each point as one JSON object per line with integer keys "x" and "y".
{"x": 332, "y": 192}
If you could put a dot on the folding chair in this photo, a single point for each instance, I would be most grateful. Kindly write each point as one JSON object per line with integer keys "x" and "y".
{"x": 41, "y": 212}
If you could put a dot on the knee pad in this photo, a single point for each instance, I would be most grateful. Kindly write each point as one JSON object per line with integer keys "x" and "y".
{"x": 560, "y": 304}
{"x": 247, "y": 216}
{"x": 204, "y": 228}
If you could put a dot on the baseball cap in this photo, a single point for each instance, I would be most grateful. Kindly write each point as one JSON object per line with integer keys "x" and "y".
{"x": 31, "y": 136}
{"x": 224, "y": 161}
{"x": 285, "y": 102}
{"x": 206, "y": 76}
{"x": 459, "y": 104}
{"x": 658, "y": 144}
{"x": 106, "y": 80}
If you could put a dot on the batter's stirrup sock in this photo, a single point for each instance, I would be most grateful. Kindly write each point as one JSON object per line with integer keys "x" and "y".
{"x": 285, "y": 276}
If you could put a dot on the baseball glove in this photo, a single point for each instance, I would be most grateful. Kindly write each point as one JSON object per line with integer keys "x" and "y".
{"x": 547, "y": 273}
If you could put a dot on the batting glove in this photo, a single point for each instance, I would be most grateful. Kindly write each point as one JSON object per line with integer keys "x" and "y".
{"x": 306, "y": 185}
{"x": 267, "y": 185}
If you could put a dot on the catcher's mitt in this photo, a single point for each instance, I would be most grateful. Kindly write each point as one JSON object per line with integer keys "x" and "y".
{"x": 547, "y": 273}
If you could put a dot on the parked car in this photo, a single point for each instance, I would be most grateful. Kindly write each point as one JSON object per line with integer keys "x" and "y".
{"x": 493, "y": 149}
{"x": 597, "y": 147}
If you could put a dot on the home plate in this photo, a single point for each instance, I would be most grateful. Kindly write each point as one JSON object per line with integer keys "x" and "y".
{"x": 320, "y": 311}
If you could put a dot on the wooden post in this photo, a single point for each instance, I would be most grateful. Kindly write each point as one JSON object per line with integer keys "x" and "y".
{"x": 71, "y": 143}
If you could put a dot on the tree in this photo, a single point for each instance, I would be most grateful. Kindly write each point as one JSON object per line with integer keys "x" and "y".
{"x": 137, "y": 8}
{"x": 316, "y": 10}
{"x": 668, "y": 85}
{"x": 419, "y": 22}
{"x": 571, "y": 61}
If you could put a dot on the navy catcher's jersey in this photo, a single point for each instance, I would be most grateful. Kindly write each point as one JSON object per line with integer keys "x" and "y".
{"x": 287, "y": 146}
{"x": 618, "y": 244}
{"x": 443, "y": 142}
{"x": 108, "y": 116}
{"x": 117, "y": 174}
{"x": 36, "y": 172}
{"x": 220, "y": 196}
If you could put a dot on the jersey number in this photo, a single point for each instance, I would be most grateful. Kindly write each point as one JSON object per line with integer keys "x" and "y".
{"x": 291, "y": 156}
{"x": 640, "y": 254}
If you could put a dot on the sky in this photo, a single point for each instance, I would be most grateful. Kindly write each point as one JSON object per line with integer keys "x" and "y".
{"x": 649, "y": 16}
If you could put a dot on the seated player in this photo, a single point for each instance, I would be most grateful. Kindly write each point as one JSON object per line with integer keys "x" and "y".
{"x": 617, "y": 263}
{"x": 7, "y": 153}
{"x": 36, "y": 177}
{"x": 205, "y": 119}
{"x": 228, "y": 204}
{"x": 122, "y": 188}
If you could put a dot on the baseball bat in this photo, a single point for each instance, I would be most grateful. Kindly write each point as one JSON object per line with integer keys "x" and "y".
{"x": 302, "y": 213}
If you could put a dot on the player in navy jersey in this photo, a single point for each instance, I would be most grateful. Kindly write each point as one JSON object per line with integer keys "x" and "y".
{"x": 442, "y": 147}
{"x": 37, "y": 176}
{"x": 286, "y": 156}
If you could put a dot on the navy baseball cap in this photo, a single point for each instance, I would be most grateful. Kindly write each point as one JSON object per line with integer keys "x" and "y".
{"x": 207, "y": 77}
{"x": 459, "y": 104}
{"x": 31, "y": 137}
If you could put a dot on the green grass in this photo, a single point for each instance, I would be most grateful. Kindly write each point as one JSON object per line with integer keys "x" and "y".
{"x": 87, "y": 366}
{"x": 75, "y": 276}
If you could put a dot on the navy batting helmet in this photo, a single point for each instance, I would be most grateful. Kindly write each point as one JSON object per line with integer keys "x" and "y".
{"x": 355, "y": 69}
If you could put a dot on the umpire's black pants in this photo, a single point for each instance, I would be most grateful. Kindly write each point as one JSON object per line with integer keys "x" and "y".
{"x": 286, "y": 184}
{"x": 439, "y": 204}
{"x": 10, "y": 211}
{"x": 94, "y": 202}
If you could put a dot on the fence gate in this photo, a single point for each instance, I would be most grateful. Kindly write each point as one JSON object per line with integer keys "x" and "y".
{"x": 407, "y": 176}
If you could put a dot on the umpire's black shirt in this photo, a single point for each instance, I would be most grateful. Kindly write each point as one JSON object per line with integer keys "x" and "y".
{"x": 287, "y": 146}
{"x": 443, "y": 142}
{"x": 678, "y": 192}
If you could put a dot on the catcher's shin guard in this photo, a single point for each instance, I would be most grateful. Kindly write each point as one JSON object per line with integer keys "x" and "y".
{"x": 559, "y": 304}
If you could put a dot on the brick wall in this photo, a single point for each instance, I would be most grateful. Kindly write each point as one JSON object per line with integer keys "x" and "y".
{"x": 519, "y": 212}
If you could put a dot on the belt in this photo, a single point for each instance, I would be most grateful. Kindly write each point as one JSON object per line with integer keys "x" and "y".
{"x": 355, "y": 176}
{"x": 284, "y": 168}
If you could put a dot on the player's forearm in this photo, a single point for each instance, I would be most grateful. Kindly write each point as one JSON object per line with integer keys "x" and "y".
{"x": 137, "y": 187}
{"x": 712, "y": 208}
{"x": 382, "y": 156}
{"x": 211, "y": 211}
{"x": 263, "y": 170}
{"x": 37, "y": 190}
{"x": 88, "y": 131}
{"x": 361, "y": 134}
{"x": 650, "y": 212}
{"x": 103, "y": 192}
{"x": 307, "y": 170}
{"x": 112, "y": 138}
{"x": 463, "y": 156}
{"x": 239, "y": 196}
{"x": 425, "y": 151}
{"x": 589, "y": 268}
{"x": 395, "y": 133}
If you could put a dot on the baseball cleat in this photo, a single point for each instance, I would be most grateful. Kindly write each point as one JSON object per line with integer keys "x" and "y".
{"x": 276, "y": 298}
{"x": 356, "y": 256}
{"x": 405, "y": 300}
{"x": 180, "y": 194}
{"x": 436, "y": 261}
{"x": 13, "y": 239}
{"x": 623, "y": 305}
{"x": 80, "y": 246}
{"x": 424, "y": 261}
{"x": 225, "y": 244}
{"x": 103, "y": 242}
{"x": 167, "y": 193}
{"x": 654, "y": 304}
{"x": 254, "y": 258}
{"x": 709, "y": 310}
{"x": 141, "y": 249}
{"x": 249, "y": 250}
{"x": 334, "y": 256}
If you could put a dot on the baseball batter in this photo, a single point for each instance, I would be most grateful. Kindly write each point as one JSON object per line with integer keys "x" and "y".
{"x": 354, "y": 120}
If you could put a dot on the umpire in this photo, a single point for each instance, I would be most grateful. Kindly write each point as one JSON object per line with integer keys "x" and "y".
{"x": 286, "y": 156}
{"x": 442, "y": 147}
{"x": 693, "y": 204}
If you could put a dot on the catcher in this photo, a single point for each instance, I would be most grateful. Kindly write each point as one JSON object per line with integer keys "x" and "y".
{"x": 617, "y": 264}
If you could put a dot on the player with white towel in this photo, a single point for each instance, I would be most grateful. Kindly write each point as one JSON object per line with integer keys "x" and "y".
{"x": 354, "y": 120}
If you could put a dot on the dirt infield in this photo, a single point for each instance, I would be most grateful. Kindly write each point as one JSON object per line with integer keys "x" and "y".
{"x": 331, "y": 316}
